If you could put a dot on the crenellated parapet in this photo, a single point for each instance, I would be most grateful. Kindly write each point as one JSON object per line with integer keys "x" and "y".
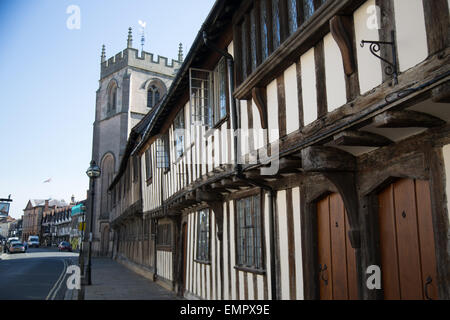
{"x": 130, "y": 57}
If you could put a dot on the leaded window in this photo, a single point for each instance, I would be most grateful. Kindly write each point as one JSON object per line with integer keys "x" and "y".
{"x": 179, "y": 127}
{"x": 162, "y": 151}
{"x": 148, "y": 164}
{"x": 153, "y": 96}
{"x": 249, "y": 234}
{"x": 164, "y": 237}
{"x": 203, "y": 235}
{"x": 263, "y": 27}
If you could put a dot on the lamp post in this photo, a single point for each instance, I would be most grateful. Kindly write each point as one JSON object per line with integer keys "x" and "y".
{"x": 93, "y": 172}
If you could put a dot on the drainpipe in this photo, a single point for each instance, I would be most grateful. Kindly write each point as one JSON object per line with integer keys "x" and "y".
{"x": 238, "y": 167}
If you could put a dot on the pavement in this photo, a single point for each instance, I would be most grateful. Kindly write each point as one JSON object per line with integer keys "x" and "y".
{"x": 113, "y": 281}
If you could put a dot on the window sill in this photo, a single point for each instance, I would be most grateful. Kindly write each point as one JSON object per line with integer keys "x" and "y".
{"x": 251, "y": 270}
{"x": 202, "y": 262}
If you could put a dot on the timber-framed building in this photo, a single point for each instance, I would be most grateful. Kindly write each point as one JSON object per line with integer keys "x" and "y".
{"x": 302, "y": 147}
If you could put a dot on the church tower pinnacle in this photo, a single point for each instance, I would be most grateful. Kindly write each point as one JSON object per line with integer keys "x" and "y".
{"x": 130, "y": 39}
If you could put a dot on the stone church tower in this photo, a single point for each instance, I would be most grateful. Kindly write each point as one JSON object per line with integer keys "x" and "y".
{"x": 130, "y": 85}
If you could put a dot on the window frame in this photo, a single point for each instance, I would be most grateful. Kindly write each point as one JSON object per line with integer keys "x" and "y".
{"x": 203, "y": 243}
{"x": 179, "y": 145}
{"x": 256, "y": 266}
{"x": 153, "y": 89}
{"x": 242, "y": 27}
{"x": 148, "y": 165}
{"x": 164, "y": 236}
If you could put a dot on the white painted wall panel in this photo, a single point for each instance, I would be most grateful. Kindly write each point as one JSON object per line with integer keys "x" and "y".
{"x": 251, "y": 294}
{"x": 226, "y": 293}
{"x": 334, "y": 74}
{"x": 244, "y": 127}
{"x": 272, "y": 111}
{"x": 242, "y": 278}
{"x": 291, "y": 92}
{"x": 283, "y": 236}
{"x": 258, "y": 133}
{"x": 298, "y": 244}
{"x": 369, "y": 67}
{"x": 410, "y": 32}
{"x": 309, "y": 92}
{"x": 232, "y": 250}
{"x": 267, "y": 244}
{"x": 260, "y": 281}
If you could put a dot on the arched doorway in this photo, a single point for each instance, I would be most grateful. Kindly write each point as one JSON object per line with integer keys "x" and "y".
{"x": 105, "y": 241}
{"x": 407, "y": 248}
{"x": 337, "y": 274}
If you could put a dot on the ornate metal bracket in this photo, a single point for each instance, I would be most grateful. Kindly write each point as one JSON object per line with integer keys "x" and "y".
{"x": 392, "y": 67}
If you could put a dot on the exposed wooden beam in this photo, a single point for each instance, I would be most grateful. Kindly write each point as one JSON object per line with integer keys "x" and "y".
{"x": 406, "y": 119}
{"x": 341, "y": 30}
{"x": 441, "y": 94}
{"x": 259, "y": 95}
{"x": 323, "y": 159}
{"x": 361, "y": 138}
{"x": 208, "y": 196}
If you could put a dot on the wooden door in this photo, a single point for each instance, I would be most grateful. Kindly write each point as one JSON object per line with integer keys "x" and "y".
{"x": 336, "y": 257}
{"x": 408, "y": 261}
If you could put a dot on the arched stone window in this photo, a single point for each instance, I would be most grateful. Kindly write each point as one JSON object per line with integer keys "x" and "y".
{"x": 153, "y": 96}
{"x": 107, "y": 167}
{"x": 112, "y": 99}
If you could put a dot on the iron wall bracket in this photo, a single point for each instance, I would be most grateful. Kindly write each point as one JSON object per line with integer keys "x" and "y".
{"x": 392, "y": 67}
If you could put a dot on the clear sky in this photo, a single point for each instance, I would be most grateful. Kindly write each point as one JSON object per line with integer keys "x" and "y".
{"x": 49, "y": 75}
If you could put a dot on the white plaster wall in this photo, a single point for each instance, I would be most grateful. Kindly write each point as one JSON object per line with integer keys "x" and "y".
{"x": 309, "y": 94}
{"x": 231, "y": 48}
{"x": 298, "y": 243}
{"x": 258, "y": 133}
{"x": 244, "y": 128}
{"x": 411, "y": 33}
{"x": 272, "y": 111}
{"x": 284, "y": 254}
{"x": 369, "y": 67}
{"x": 291, "y": 92}
{"x": 334, "y": 74}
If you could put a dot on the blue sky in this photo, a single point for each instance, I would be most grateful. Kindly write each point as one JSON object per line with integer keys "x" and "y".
{"x": 49, "y": 75}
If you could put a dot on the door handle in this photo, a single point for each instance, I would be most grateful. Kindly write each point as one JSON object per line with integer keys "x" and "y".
{"x": 427, "y": 283}
{"x": 321, "y": 271}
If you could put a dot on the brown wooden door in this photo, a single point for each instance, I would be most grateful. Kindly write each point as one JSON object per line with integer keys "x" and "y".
{"x": 336, "y": 257}
{"x": 408, "y": 261}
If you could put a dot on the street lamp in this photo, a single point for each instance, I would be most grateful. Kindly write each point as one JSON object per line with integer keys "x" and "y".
{"x": 93, "y": 172}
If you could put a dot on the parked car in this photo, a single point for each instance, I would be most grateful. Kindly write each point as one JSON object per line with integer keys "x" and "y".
{"x": 10, "y": 242}
{"x": 16, "y": 247}
{"x": 65, "y": 246}
{"x": 33, "y": 241}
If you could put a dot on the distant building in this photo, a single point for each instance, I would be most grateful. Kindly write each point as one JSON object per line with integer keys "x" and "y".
{"x": 5, "y": 225}
{"x": 33, "y": 213}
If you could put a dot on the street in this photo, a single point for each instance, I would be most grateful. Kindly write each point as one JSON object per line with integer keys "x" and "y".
{"x": 38, "y": 274}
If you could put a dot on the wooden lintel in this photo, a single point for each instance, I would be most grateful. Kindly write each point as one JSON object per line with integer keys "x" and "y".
{"x": 406, "y": 119}
{"x": 361, "y": 138}
{"x": 259, "y": 95}
{"x": 323, "y": 159}
{"x": 341, "y": 30}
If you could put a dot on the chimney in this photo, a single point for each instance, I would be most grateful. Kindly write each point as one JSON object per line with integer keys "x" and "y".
{"x": 46, "y": 205}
